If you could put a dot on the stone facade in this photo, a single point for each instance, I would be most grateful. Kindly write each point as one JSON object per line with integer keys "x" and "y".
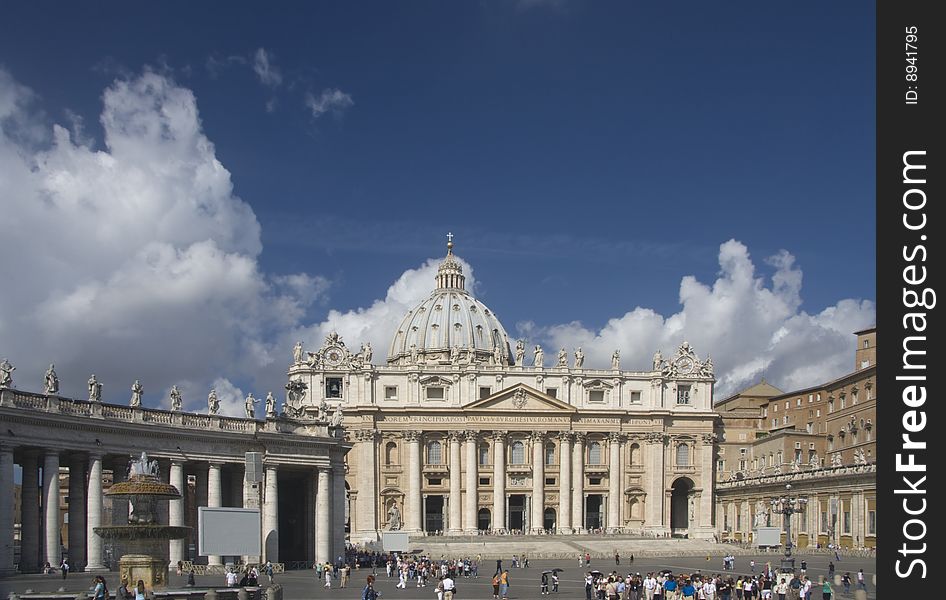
{"x": 455, "y": 434}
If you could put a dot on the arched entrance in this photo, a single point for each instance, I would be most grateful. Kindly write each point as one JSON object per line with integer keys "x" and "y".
{"x": 680, "y": 504}
{"x": 483, "y": 520}
{"x": 548, "y": 519}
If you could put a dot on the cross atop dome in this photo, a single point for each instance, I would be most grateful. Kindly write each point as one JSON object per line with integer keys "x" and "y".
{"x": 450, "y": 273}
{"x": 449, "y": 243}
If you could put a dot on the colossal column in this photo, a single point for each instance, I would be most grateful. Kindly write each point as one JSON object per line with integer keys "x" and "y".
{"x": 578, "y": 483}
{"x": 456, "y": 504}
{"x": 77, "y": 510}
{"x": 338, "y": 511}
{"x": 706, "y": 482}
{"x": 214, "y": 500}
{"x": 367, "y": 510}
{"x": 271, "y": 514}
{"x": 413, "y": 502}
{"x": 176, "y": 512}
{"x": 6, "y": 510}
{"x": 538, "y": 481}
{"x": 29, "y": 513}
{"x": 472, "y": 479}
{"x": 51, "y": 502}
{"x": 93, "y": 541}
{"x": 655, "y": 483}
{"x": 615, "y": 475}
{"x": 565, "y": 482}
{"x": 499, "y": 480}
{"x": 323, "y": 516}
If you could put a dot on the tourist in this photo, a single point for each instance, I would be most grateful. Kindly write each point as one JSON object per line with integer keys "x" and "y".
{"x": 231, "y": 578}
{"x": 139, "y": 590}
{"x": 831, "y": 569}
{"x": 499, "y": 566}
{"x": 588, "y": 559}
{"x": 269, "y": 572}
{"x": 581, "y": 560}
{"x": 617, "y": 558}
{"x": 649, "y": 584}
{"x": 101, "y": 589}
{"x": 369, "y": 593}
{"x": 826, "y": 590}
{"x": 254, "y": 576}
{"x": 64, "y": 567}
{"x": 190, "y": 578}
{"x": 495, "y": 583}
{"x": 861, "y": 584}
{"x": 709, "y": 589}
{"x": 752, "y": 565}
{"x": 122, "y": 593}
{"x": 670, "y": 588}
{"x": 504, "y": 585}
{"x": 180, "y": 568}
{"x": 47, "y": 568}
{"x": 345, "y": 573}
{"x": 804, "y": 567}
{"x": 544, "y": 588}
{"x": 554, "y": 581}
{"x": 846, "y": 582}
{"x": 402, "y": 578}
{"x": 327, "y": 571}
{"x": 448, "y": 587}
{"x": 781, "y": 588}
{"x": 687, "y": 591}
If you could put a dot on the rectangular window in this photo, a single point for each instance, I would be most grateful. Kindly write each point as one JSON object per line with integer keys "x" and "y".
{"x": 810, "y": 427}
{"x": 484, "y": 392}
{"x": 683, "y": 394}
{"x": 594, "y": 481}
{"x": 818, "y": 412}
{"x": 803, "y": 520}
{"x": 818, "y": 397}
{"x": 872, "y": 522}
{"x": 785, "y": 420}
{"x": 596, "y": 396}
{"x": 824, "y": 521}
{"x": 549, "y": 481}
{"x": 484, "y": 454}
{"x": 742, "y": 465}
{"x": 738, "y": 521}
{"x": 333, "y": 387}
{"x": 720, "y": 465}
{"x": 798, "y": 402}
{"x": 811, "y": 398}
{"x": 553, "y": 392}
{"x": 726, "y": 521}
{"x": 437, "y": 481}
{"x": 435, "y": 393}
{"x": 635, "y": 397}
{"x": 390, "y": 392}
{"x": 846, "y": 521}
{"x": 774, "y": 407}
{"x": 786, "y": 405}
{"x": 484, "y": 480}
{"x": 843, "y": 401}
{"x": 798, "y": 456}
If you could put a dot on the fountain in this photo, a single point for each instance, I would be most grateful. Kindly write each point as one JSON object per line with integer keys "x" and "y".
{"x": 145, "y": 541}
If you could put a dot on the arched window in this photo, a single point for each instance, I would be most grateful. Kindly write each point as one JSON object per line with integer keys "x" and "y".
{"x": 390, "y": 453}
{"x": 594, "y": 453}
{"x": 779, "y": 457}
{"x": 683, "y": 455}
{"x": 484, "y": 454}
{"x": 433, "y": 453}
{"x": 518, "y": 453}
{"x": 550, "y": 454}
{"x": 635, "y": 454}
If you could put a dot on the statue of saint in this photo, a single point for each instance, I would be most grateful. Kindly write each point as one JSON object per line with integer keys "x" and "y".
{"x": 250, "y": 406}
{"x": 579, "y": 358}
{"x": 177, "y": 402}
{"x": 455, "y": 355}
{"x": 563, "y": 358}
{"x": 337, "y": 416}
{"x": 706, "y": 369}
{"x": 6, "y": 373}
{"x": 616, "y": 360}
{"x": 213, "y": 404}
{"x": 297, "y": 353}
{"x": 539, "y": 356}
{"x": 51, "y": 382}
{"x": 95, "y": 389}
{"x": 136, "y": 392}
{"x": 323, "y": 411}
{"x": 270, "y": 406}
{"x": 658, "y": 360}
{"x": 520, "y": 351}
{"x": 413, "y": 354}
{"x": 760, "y": 516}
{"x": 497, "y": 355}
{"x": 366, "y": 352}
{"x": 394, "y": 517}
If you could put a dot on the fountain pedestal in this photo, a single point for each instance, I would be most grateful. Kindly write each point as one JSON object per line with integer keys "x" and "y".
{"x": 151, "y": 570}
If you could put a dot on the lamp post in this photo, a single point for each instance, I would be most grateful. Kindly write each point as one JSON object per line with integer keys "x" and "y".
{"x": 788, "y": 505}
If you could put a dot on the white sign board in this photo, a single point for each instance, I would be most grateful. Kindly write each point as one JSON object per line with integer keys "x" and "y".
{"x": 228, "y": 531}
{"x": 395, "y": 541}
{"x": 768, "y": 536}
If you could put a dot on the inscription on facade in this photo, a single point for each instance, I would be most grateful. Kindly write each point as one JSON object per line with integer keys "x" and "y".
{"x": 475, "y": 419}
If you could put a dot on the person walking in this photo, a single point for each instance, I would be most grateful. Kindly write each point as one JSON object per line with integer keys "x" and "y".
{"x": 544, "y": 587}
{"x": 504, "y": 585}
{"x": 368, "y": 592}
{"x": 139, "y": 590}
{"x": 122, "y": 592}
{"x": 64, "y": 567}
{"x": 327, "y": 572}
{"x": 846, "y": 582}
{"x": 581, "y": 560}
{"x": 346, "y": 572}
{"x": 831, "y": 569}
{"x": 449, "y": 586}
{"x": 554, "y": 581}
{"x": 495, "y": 583}
{"x": 826, "y": 590}
{"x": 861, "y": 584}
{"x": 617, "y": 558}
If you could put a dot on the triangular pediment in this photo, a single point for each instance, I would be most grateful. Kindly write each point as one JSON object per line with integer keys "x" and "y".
{"x": 520, "y": 398}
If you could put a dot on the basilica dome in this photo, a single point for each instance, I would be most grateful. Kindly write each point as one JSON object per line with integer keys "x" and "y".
{"x": 450, "y": 326}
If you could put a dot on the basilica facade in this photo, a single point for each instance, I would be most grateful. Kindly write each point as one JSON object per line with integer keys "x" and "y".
{"x": 454, "y": 433}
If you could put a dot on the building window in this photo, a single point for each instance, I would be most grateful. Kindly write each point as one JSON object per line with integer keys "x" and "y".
{"x": 786, "y": 405}
{"x": 846, "y": 521}
{"x": 811, "y": 455}
{"x": 390, "y": 392}
{"x": 594, "y": 453}
{"x": 635, "y": 450}
{"x": 484, "y": 392}
{"x": 390, "y": 453}
{"x": 798, "y": 456}
{"x": 779, "y": 457}
{"x": 720, "y": 465}
{"x": 484, "y": 454}
{"x": 683, "y": 394}
{"x": 435, "y": 393}
{"x": 550, "y": 454}
{"x": 853, "y": 397}
{"x": 824, "y": 521}
{"x": 798, "y": 402}
{"x": 683, "y": 455}
{"x": 635, "y": 397}
{"x": 594, "y": 481}
{"x": 818, "y": 397}
{"x": 742, "y": 464}
{"x": 484, "y": 480}
{"x": 867, "y": 343}
{"x": 810, "y": 427}
{"x": 437, "y": 481}
{"x": 843, "y": 401}
{"x": 333, "y": 387}
{"x": 803, "y": 520}
{"x": 726, "y": 521}
{"x": 774, "y": 407}
{"x": 596, "y": 396}
{"x": 811, "y": 398}
{"x": 433, "y": 453}
{"x": 872, "y": 522}
{"x": 818, "y": 412}
{"x": 553, "y": 392}
{"x": 549, "y": 481}
{"x": 738, "y": 521}
{"x": 785, "y": 420}
{"x": 518, "y": 453}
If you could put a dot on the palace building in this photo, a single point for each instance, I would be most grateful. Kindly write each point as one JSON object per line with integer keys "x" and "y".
{"x": 455, "y": 434}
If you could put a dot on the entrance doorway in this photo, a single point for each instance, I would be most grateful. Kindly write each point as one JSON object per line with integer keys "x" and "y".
{"x": 483, "y": 519}
{"x": 517, "y": 512}
{"x": 594, "y": 518}
{"x": 433, "y": 513}
{"x": 679, "y": 504}
{"x": 548, "y": 519}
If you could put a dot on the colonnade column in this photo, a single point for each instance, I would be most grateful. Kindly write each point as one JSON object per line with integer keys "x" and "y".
{"x": 29, "y": 513}
{"x": 655, "y": 485}
{"x": 214, "y": 500}
{"x": 615, "y": 475}
{"x": 271, "y": 514}
{"x": 338, "y": 511}
{"x": 565, "y": 482}
{"x": 578, "y": 483}
{"x": 707, "y": 450}
{"x": 6, "y": 510}
{"x": 538, "y": 481}
{"x": 51, "y": 504}
{"x": 176, "y": 512}
{"x": 323, "y": 516}
{"x": 413, "y": 502}
{"x": 470, "y": 521}
{"x": 499, "y": 480}
{"x": 93, "y": 519}
{"x": 367, "y": 509}
{"x": 77, "y": 511}
{"x": 455, "y": 526}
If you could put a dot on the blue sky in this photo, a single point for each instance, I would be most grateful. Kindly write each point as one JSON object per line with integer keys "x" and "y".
{"x": 588, "y": 156}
